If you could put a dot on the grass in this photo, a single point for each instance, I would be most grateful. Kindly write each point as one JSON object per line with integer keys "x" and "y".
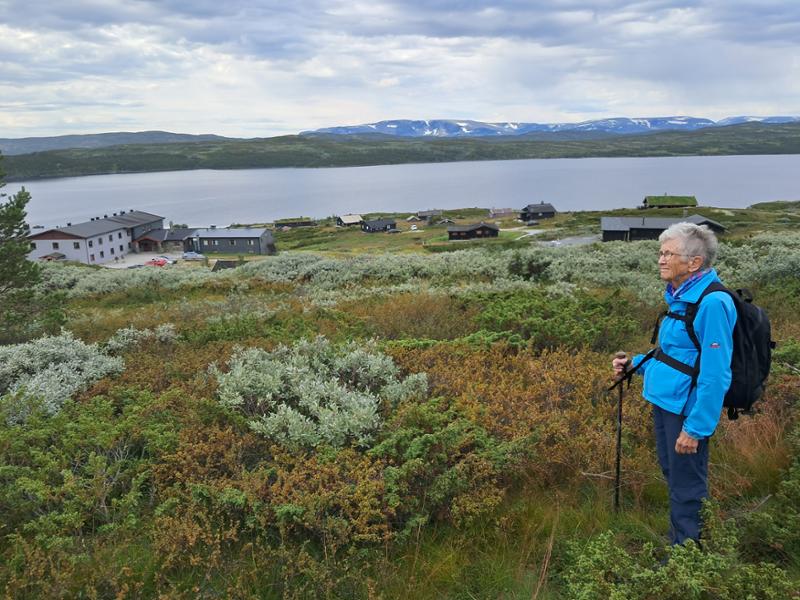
{"x": 329, "y": 239}
{"x": 516, "y": 555}
{"x": 326, "y": 238}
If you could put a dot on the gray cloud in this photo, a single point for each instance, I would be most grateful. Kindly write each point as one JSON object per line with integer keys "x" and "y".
{"x": 263, "y": 67}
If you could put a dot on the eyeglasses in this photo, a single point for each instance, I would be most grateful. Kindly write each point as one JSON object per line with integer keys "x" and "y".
{"x": 667, "y": 255}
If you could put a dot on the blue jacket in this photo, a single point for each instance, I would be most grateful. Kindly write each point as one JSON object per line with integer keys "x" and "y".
{"x": 668, "y": 388}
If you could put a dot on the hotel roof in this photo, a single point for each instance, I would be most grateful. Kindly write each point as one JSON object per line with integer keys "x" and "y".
{"x": 233, "y": 232}
{"x": 123, "y": 220}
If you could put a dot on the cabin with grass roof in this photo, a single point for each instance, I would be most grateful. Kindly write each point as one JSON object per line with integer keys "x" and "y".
{"x": 669, "y": 202}
{"x": 295, "y": 222}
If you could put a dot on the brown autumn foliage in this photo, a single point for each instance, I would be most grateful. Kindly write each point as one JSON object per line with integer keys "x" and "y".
{"x": 221, "y": 486}
{"x": 748, "y": 450}
{"x": 560, "y": 395}
{"x": 420, "y": 315}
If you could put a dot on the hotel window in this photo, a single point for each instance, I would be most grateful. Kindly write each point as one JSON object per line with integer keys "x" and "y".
{"x": 111, "y": 250}
{"x": 76, "y": 245}
{"x": 91, "y": 244}
{"x": 91, "y": 257}
{"x": 33, "y": 245}
{"x": 121, "y": 249}
{"x": 55, "y": 245}
{"x": 102, "y": 254}
{"x": 233, "y": 242}
{"x": 110, "y": 238}
{"x": 120, "y": 235}
{"x": 100, "y": 241}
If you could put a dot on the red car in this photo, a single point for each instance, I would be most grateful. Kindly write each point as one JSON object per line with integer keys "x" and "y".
{"x": 156, "y": 262}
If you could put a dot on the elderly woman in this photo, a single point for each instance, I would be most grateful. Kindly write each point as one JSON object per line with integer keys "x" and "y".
{"x": 686, "y": 407}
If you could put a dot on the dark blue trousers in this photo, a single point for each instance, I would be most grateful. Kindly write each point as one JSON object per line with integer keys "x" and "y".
{"x": 686, "y": 475}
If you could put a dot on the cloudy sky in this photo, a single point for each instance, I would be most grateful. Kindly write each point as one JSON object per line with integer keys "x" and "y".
{"x": 254, "y": 68}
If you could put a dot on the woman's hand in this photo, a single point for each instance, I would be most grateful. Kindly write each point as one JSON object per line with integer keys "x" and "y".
{"x": 686, "y": 444}
{"x": 620, "y": 364}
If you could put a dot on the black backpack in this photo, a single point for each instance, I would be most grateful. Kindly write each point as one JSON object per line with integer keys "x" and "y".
{"x": 752, "y": 349}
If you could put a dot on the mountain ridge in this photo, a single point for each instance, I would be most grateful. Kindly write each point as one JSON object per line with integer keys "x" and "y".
{"x": 88, "y": 141}
{"x": 471, "y": 128}
{"x": 327, "y": 150}
{"x": 402, "y": 128}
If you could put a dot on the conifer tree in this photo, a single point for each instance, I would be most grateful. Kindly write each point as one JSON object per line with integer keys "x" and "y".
{"x": 19, "y": 305}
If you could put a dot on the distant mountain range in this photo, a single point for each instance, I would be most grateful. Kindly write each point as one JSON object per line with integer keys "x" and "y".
{"x": 402, "y": 128}
{"x": 10, "y": 146}
{"x": 617, "y": 126}
{"x": 330, "y": 150}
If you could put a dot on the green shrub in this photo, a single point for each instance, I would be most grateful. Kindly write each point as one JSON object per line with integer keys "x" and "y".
{"x": 576, "y": 321}
{"x": 775, "y": 530}
{"x": 788, "y": 352}
{"x": 442, "y": 464}
{"x": 603, "y": 569}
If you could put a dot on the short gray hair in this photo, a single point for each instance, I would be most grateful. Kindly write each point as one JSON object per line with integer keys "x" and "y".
{"x": 695, "y": 240}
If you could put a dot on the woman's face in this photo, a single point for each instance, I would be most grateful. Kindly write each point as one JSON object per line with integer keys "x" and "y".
{"x": 674, "y": 265}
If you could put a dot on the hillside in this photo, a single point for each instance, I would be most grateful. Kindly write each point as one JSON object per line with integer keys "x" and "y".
{"x": 350, "y": 423}
{"x": 9, "y": 146}
{"x": 344, "y": 151}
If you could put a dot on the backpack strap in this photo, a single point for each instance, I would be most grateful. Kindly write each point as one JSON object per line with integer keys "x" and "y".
{"x": 688, "y": 319}
{"x": 674, "y": 363}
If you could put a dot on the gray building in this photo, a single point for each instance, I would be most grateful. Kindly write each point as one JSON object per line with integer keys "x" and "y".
{"x": 94, "y": 242}
{"x": 225, "y": 240}
{"x": 533, "y": 212}
{"x": 347, "y": 220}
{"x": 629, "y": 229}
{"x": 163, "y": 240}
{"x": 502, "y": 213}
{"x": 471, "y": 232}
{"x": 429, "y": 215}
{"x": 378, "y": 225}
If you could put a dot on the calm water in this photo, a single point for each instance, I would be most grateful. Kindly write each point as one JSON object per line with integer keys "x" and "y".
{"x": 261, "y": 195}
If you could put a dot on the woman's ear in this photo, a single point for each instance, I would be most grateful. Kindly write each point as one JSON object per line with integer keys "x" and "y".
{"x": 695, "y": 263}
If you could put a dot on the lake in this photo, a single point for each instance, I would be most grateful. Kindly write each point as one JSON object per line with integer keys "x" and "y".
{"x": 200, "y": 198}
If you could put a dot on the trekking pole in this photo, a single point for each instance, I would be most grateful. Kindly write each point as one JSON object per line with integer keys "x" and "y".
{"x": 617, "y": 482}
{"x": 619, "y": 450}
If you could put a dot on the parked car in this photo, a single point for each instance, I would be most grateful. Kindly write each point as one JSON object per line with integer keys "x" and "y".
{"x": 413, "y": 228}
{"x": 170, "y": 261}
{"x": 156, "y": 262}
{"x": 193, "y": 256}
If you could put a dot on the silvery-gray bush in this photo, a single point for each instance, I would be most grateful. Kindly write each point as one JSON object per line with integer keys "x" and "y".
{"x": 315, "y": 393}
{"x": 48, "y": 371}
